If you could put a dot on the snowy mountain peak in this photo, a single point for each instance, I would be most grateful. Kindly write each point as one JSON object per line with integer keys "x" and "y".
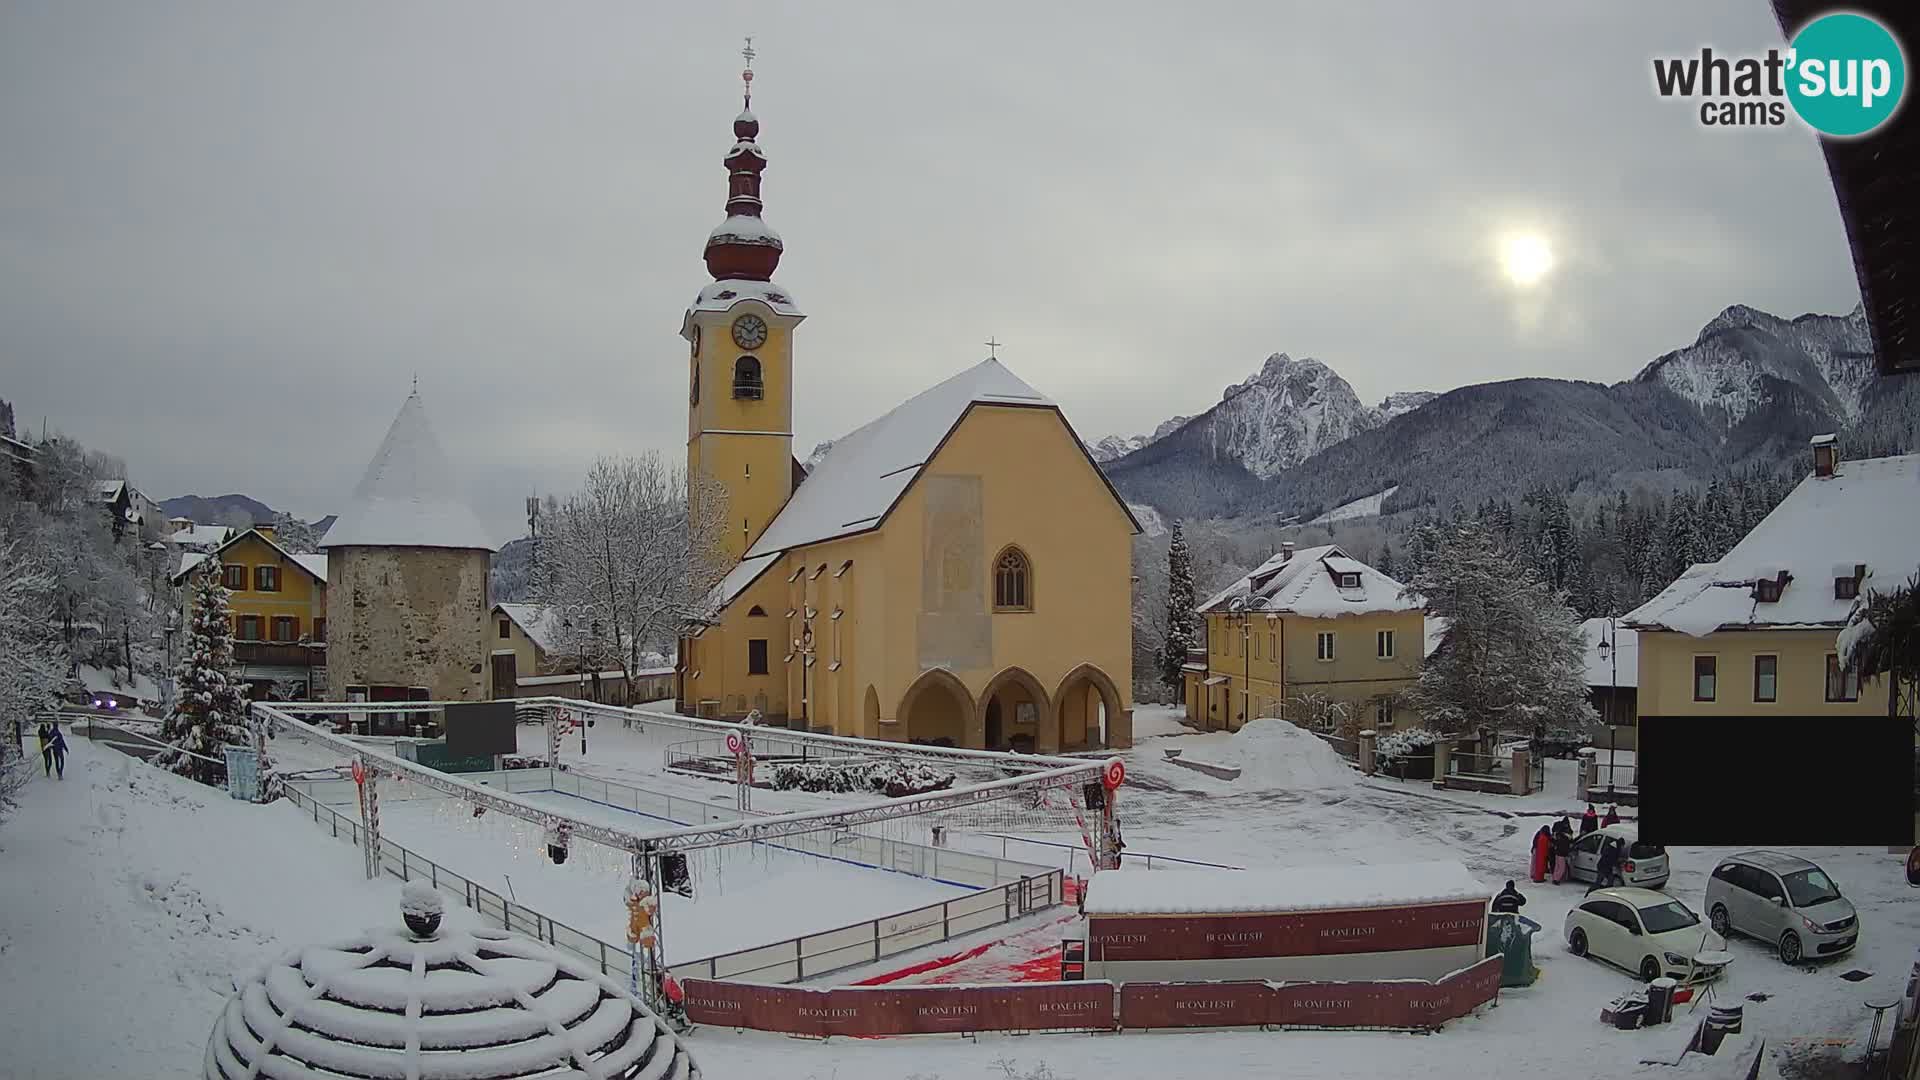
{"x": 1747, "y": 362}
{"x": 1403, "y": 402}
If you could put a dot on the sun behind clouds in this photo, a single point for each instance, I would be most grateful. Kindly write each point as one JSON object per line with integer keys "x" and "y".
{"x": 1526, "y": 258}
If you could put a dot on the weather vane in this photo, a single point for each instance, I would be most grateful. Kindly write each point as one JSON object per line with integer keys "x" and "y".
{"x": 746, "y": 75}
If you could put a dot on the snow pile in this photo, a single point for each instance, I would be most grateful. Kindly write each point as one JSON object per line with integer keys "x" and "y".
{"x": 1307, "y": 888}
{"x": 1273, "y": 753}
{"x": 419, "y": 898}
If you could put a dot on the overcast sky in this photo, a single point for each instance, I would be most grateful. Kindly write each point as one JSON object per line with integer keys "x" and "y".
{"x": 231, "y": 233}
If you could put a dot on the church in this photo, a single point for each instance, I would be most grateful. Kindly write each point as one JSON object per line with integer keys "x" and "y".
{"x": 957, "y": 572}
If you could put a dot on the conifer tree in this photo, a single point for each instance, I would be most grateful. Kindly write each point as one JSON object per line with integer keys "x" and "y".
{"x": 209, "y": 710}
{"x": 1180, "y": 604}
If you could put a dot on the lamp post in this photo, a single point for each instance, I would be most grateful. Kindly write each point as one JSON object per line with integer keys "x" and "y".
{"x": 1238, "y": 606}
{"x": 1611, "y": 646}
{"x": 803, "y": 648}
{"x": 168, "y": 629}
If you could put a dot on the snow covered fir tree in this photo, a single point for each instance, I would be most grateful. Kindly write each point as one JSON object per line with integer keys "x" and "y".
{"x": 209, "y": 711}
{"x": 1180, "y": 636}
{"x": 1513, "y": 658}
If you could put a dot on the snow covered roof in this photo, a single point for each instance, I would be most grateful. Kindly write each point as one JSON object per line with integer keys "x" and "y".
{"x": 722, "y": 295}
{"x": 866, "y": 472}
{"x": 188, "y": 560}
{"x": 743, "y": 574}
{"x": 1601, "y": 663}
{"x": 744, "y": 229}
{"x": 477, "y": 1002}
{"x": 408, "y": 497}
{"x": 1313, "y": 888}
{"x": 111, "y": 489}
{"x": 1306, "y": 582}
{"x": 1866, "y": 513}
{"x": 203, "y": 537}
{"x": 541, "y": 624}
{"x": 314, "y": 563}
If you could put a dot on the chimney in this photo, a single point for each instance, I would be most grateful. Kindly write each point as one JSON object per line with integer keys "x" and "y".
{"x": 1286, "y": 549}
{"x": 1826, "y": 455}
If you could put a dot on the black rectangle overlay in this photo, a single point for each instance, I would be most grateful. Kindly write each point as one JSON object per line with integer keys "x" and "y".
{"x": 1779, "y": 781}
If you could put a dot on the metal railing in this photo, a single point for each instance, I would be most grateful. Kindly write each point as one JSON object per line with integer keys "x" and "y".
{"x": 1005, "y": 890}
{"x": 1073, "y": 853}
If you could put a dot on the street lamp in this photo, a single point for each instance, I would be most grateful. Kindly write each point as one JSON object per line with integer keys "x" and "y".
{"x": 168, "y": 629}
{"x": 803, "y": 647}
{"x": 1610, "y": 647}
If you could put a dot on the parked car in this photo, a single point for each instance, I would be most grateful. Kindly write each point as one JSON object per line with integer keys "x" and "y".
{"x": 1648, "y": 933}
{"x": 1784, "y": 900}
{"x": 1642, "y": 865}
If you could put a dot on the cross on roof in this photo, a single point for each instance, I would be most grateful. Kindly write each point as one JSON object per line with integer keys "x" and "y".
{"x": 992, "y": 349}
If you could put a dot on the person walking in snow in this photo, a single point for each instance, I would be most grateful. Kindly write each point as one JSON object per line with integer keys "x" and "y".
{"x": 1562, "y": 851}
{"x": 46, "y": 747}
{"x": 1608, "y": 872}
{"x": 1509, "y": 900}
{"x": 1589, "y": 821}
{"x": 1613, "y": 816}
{"x": 58, "y": 750}
{"x": 1542, "y": 854}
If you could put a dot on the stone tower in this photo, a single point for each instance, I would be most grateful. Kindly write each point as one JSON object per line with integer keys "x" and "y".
{"x": 740, "y": 373}
{"x": 407, "y": 571}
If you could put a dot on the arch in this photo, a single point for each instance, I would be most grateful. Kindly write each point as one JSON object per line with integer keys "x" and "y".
{"x": 870, "y": 714}
{"x": 746, "y": 378}
{"x": 1007, "y": 690}
{"x": 1071, "y": 707}
{"x": 1012, "y": 580}
{"x": 937, "y": 706}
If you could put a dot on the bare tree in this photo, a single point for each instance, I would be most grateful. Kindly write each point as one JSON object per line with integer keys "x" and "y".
{"x": 625, "y": 564}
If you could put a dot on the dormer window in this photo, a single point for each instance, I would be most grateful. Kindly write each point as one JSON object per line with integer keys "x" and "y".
{"x": 1348, "y": 581}
{"x": 1846, "y": 588}
{"x": 746, "y": 379}
{"x": 1768, "y": 590}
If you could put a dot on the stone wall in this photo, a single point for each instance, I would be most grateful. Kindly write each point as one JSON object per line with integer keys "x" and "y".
{"x": 408, "y": 617}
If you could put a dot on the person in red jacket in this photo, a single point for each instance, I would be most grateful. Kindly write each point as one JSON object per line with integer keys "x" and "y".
{"x": 1613, "y": 816}
{"x": 1589, "y": 821}
{"x": 1542, "y": 853}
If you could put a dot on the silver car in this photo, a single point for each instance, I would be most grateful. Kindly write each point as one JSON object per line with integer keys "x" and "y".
{"x": 1782, "y": 899}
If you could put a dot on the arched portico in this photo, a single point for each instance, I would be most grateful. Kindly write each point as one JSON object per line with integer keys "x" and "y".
{"x": 1012, "y": 709}
{"x": 1084, "y": 695}
{"x": 937, "y": 706}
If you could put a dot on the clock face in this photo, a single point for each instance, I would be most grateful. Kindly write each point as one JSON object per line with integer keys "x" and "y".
{"x": 749, "y": 332}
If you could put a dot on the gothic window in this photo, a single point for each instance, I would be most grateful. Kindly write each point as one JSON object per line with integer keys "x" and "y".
{"x": 1012, "y": 581}
{"x": 746, "y": 378}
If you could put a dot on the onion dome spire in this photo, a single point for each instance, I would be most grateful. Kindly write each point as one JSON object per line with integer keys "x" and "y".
{"x": 743, "y": 247}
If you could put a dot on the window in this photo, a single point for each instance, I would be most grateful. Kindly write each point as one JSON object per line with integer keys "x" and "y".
{"x": 1767, "y": 591}
{"x": 1323, "y": 645}
{"x": 1705, "y": 675}
{"x": 266, "y": 579}
{"x": 1383, "y": 713}
{"x": 746, "y": 379}
{"x": 506, "y": 629}
{"x": 1273, "y": 645}
{"x": 1383, "y": 644}
{"x": 1846, "y": 588}
{"x": 1349, "y": 581}
{"x": 1766, "y": 678}
{"x": 320, "y": 629}
{"x": 757, "y": 656}
{"x": 756, "y": 612}
{"x": 693, "y": 393}
{"x": 1256, "y": 646}
{"x": 286, "y": 628}
{"x": 1842, "y": 684}
{"x": 247, "y": 628}
{"x": 1012, "y": 581}
{"x": 235, "y": 576}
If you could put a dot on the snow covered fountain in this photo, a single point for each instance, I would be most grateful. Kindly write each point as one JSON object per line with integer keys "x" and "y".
{"x": 444, "y": 1005}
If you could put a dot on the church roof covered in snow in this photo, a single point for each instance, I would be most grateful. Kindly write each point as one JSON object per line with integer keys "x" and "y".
{"x": 1866, "y": 514}
{"x": 455, "y": 1003}
{"x": 408, "y": 497}
{"x": 1307, "y": 582}
{"x": 865, "y": 473}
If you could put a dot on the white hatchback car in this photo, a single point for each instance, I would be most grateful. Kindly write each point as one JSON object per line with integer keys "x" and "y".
{"x": 1648, "y": 933}
{"x": 1641, "y": 864}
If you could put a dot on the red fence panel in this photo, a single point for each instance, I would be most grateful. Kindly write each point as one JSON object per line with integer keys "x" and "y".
{"x": 1206, "y": 1004}
{"x": 1305, "y": 933}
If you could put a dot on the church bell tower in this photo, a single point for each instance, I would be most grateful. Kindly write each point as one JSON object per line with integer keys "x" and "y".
{"x": 740, "y": 360}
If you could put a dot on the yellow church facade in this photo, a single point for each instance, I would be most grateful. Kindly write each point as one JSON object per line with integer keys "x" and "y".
{"x": 956, "y": 572}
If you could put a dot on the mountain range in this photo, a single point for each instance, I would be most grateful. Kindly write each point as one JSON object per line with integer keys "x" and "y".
{"x": 232, "y": 509}
{"x": 1294, "y": 442}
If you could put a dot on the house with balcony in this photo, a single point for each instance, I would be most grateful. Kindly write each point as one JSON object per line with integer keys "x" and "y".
{"x": 1312, "y": 635}
{"x": 278, "y": 603}
{"x": 1754, "y": 634}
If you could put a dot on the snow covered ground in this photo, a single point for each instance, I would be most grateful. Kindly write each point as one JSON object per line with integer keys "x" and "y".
{"x": 129, "y": 897}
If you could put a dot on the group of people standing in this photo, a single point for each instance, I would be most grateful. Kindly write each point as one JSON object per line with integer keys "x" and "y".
{"x": 1553, "y": 847}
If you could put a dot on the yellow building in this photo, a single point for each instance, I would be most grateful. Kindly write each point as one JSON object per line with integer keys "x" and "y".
{"x": 957, "y": 571}
{"x": 1755, "y": 634}
{"x": 528, "y": 658}
{"x": 1313, "y": 636}
{"x": 278, "y": 602}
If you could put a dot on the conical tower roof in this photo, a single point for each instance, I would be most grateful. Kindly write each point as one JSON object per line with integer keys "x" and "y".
{"x": 408, "y": 497}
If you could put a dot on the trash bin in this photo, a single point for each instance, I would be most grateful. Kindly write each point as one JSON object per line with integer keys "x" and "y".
{"x": 1660, "y": 1000}
{"x": 1510, "y": 936}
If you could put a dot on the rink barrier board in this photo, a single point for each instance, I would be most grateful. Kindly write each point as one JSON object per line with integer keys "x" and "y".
{"x": 1412, "y": 1004}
